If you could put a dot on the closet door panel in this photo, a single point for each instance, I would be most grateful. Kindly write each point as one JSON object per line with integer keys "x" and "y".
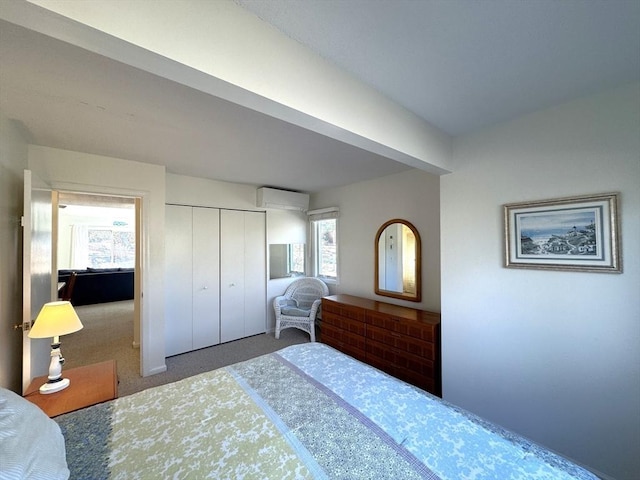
{"x": 255, "y": 294}
{"x": 231, "y": 275}
{"x": 178, "y": 281}
{"x": 206, "y": 279}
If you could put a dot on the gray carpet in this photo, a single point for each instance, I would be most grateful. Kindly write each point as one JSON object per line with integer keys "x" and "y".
{"x": 108, "y": 334}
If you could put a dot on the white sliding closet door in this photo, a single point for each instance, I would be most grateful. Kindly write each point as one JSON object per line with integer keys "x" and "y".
{"x": 192, "y": 266}
{"x": 206, "y": 278}
{"x": 255, "y": 274}
{"x": 178, "y": 280}
{"x": 242, "y": 274}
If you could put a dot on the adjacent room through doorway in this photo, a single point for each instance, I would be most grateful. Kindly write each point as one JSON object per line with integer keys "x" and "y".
{"x": 96, "y": 241}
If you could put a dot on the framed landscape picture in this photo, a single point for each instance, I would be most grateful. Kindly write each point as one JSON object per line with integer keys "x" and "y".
{"x": 576, "y": 233}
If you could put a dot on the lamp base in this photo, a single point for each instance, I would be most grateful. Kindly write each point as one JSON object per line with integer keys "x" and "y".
{"x": 56, "y": 386}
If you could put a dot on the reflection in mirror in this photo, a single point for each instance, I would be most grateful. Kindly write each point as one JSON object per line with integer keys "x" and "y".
{"x": 397, "y": 248}
{"x": 398, "y": 261}
{"x": 286, "y": 260}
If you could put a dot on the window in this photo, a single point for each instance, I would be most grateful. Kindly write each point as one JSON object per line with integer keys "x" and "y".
{"x": 324, "y": 243}
{"x": 111, "y": 247}
{"x": 295, "y": 258}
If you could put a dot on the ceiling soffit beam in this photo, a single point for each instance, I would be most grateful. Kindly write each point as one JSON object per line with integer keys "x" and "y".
{"x": 224, "y": 50}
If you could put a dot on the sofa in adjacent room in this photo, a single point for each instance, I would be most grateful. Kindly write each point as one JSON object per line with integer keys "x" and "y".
{"x": 98, "y": 285}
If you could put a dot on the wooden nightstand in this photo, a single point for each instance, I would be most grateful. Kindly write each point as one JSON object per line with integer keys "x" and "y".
{"x": 92, "y": 384}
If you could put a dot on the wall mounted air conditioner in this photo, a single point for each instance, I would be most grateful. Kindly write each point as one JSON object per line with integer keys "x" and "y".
{"x": 282, "y": 199}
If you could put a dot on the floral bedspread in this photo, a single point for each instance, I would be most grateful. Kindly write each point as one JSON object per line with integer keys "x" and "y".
{"x": 306, "y": 411}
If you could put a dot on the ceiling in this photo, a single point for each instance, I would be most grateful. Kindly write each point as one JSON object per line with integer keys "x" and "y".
{"x": 66, "y": 97}
{"x": 463, "y": 65}
{"x": 460, "y": 65}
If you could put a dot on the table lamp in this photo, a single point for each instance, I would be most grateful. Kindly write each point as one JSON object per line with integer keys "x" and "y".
{"x": 55, "y": 319}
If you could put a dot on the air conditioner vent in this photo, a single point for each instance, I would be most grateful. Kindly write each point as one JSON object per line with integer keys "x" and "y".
{"x": 282, "y": 199}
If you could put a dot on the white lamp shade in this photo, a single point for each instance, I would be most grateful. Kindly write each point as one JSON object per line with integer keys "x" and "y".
{"x": 55, "y": 319}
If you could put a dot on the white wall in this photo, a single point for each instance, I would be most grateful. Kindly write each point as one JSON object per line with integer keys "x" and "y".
{"x": 552, "y": 355}
{"x": 13, "y": 161}
{"x": 286, "y": 226}
{"x": 413, "y": 195}
{"x": 202, "y": 192}
{"x": 73, "y": 171}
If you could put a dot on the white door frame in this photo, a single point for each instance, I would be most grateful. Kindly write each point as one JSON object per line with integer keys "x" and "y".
{"x": 36, "y": 286}
{"x": 142, "y": 254}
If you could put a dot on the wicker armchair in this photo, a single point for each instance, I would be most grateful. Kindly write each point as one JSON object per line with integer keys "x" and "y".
{"x": 299, "y": 305}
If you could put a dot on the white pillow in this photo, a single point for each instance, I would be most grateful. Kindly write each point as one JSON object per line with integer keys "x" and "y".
{"x": 31, "y": 444}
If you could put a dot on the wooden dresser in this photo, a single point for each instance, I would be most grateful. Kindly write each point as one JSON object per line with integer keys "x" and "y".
{"x": 402, "y": 341}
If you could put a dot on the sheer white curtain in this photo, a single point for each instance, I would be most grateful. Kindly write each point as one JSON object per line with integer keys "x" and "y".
{"x": 79, "y": 247}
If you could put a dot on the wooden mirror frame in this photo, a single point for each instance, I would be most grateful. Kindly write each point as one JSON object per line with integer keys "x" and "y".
{"x": 388, "y": 293}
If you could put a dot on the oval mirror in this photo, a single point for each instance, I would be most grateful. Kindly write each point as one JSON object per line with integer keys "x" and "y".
{"x": 398, "y": 261}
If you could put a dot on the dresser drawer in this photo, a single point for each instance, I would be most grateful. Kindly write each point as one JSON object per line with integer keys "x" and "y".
{"x": 419, "y": 330}
{"x": 422, "y": 381}
{"x": 342, "y": 340}
{"x": 399, "y": 359}
{"x": 402, "y": 342}
{"x": 343, "y": 323}
{"x": 341, "y": 310}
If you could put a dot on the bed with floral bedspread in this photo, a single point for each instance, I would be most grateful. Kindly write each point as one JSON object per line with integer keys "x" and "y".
{"x": 306, "y": 411}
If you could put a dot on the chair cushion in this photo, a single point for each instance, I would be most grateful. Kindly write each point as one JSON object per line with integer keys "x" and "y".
{"x": 295, "y": 312}
{"x": 284, "y": 302}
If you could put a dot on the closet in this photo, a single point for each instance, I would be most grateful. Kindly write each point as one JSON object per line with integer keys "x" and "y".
{"x": 243, "y": 275}
{"x": 215, "y": 276}
{"x": 192, "y": 281}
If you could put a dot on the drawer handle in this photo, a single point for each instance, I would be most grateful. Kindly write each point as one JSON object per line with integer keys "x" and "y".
{"x": 396, "y": 335}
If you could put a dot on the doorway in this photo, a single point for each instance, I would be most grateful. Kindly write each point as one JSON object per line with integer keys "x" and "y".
{"x": 97, "y": 237}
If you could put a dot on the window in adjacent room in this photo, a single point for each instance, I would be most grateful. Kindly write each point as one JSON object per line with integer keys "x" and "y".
{"x": 324, "y": 243}
{"x": 111, "y": 247}
{"x": 96, "y": 231}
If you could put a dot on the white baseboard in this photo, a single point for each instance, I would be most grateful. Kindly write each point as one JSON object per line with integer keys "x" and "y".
{"x": 157, "y": 370}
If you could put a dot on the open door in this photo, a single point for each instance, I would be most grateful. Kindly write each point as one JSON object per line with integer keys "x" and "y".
{"x": 137, "y": 312}
{"x": 37, "y": 223}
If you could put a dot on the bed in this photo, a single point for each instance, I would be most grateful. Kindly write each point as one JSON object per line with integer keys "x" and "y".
{"x": 306, "y": 411}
